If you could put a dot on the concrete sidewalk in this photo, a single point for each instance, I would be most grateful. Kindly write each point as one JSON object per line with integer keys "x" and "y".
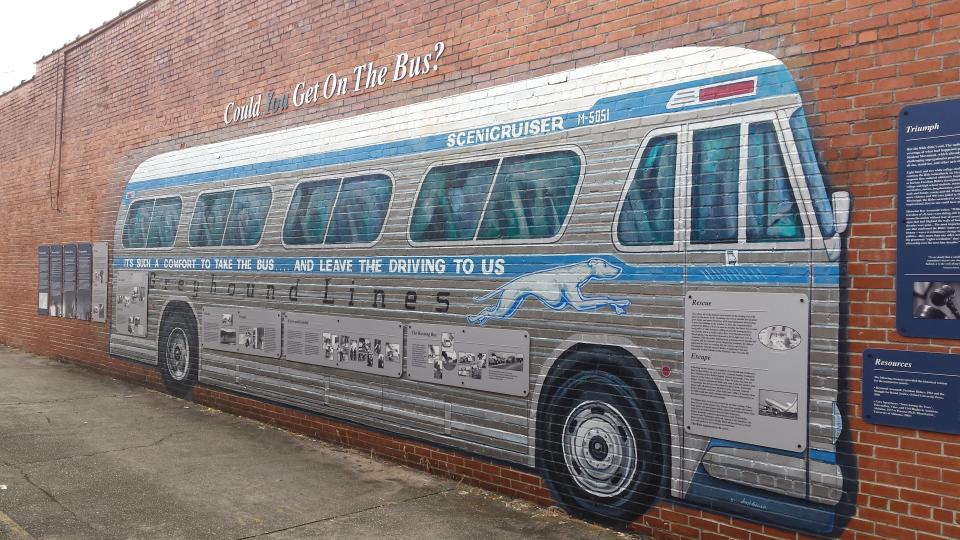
{"x": 86, "y": 456}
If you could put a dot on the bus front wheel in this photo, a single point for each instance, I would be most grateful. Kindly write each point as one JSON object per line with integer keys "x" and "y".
{"x": 179, "y": 352}
{"x": 602, "y": 438}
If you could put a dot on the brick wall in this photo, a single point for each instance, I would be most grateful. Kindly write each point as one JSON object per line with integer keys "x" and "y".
{"x": 156, "y": 79}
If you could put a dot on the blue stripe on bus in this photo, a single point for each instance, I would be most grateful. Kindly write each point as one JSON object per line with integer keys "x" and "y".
{"x": 826, "y": 275}
{"x": 824, "y": 456}
{"x": 473, "y": 267}
{"x": 771, "y": 81}
{"x": 744, "y": 274}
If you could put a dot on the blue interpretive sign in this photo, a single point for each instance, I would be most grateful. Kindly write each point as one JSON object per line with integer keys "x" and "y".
{"x": 928, "y": 220}
{"x": 912, "y": 389}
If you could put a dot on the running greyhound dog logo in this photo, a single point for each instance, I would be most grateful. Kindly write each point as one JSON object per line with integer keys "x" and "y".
{"x": 556, "y": 288}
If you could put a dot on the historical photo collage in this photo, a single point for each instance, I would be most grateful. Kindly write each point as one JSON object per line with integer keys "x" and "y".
{"x": 245, "y": 338}
{"x": 448, "y": 361}
{"x": 131, "y": 306}
{"x": 365, "y": 345}
{"x": 371, "y": 352}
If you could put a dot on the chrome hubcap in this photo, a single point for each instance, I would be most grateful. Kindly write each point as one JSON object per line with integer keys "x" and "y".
{"x": 599, "y": 449}
{"x": 178, "y": 354}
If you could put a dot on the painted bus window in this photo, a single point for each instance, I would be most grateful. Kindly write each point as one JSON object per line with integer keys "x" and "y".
{"x": 716, "y": 175}
{"x": 451, "y": 201}
{"x": 247, "y": 216}
{"x": 530, "y": 199}
{"x": 772, "y": 212}
{"x": 361, "y": 210}
{"x": 531, "y": 196}
{"x": 811, "y": 171}
{"x": 152, "y": 223}
{"x": 138, "y": 222}
{"x": 164, "y": 223}
{"x": 309, "y": 212}
{"x": 210, "y": 219}
{"x": 647, "y": 215}
{"x": 338, "y": 211}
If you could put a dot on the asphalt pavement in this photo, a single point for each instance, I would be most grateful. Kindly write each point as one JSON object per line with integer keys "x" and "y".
{"x": 86, "y": 456}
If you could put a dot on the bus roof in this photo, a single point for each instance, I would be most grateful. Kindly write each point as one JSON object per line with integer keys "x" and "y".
{"x": 628, "y": 87}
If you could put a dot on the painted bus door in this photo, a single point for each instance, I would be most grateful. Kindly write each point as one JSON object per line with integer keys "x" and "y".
{"x": 746, "y": 316}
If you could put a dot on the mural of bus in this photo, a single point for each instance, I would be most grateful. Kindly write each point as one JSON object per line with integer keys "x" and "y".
{"x": 624, "y": 276}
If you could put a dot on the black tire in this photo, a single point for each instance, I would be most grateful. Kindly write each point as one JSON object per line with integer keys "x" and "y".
{"x": 602, "y": 437}
{"x": 179, "y": 352}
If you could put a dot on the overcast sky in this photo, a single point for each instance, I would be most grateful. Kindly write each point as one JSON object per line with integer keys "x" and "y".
{"x": 34, "y": 28}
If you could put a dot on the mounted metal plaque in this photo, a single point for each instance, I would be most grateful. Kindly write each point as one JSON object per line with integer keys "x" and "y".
{"x": 130, "y": 308}
{"x": 43, "y": 280}
{"x": 70, "y": 281}
{"x": 365, "y": 345}
{"x": 486, "y": 359}
{"x": 745, "y": 367}
{"x": 98, "y": 310}
{"x": 56, "y": 281}
{"x": 242, "y": 330}
{"x": 84, "y": 281}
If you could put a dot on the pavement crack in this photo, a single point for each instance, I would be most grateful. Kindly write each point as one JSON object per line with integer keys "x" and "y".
{"x": 53, "y": 499}
{"x": 157, "y": 442}
{"x": 348, "y": 514}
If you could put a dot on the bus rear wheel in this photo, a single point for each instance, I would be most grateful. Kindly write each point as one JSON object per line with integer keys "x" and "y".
{"x": 602, "y": 438}
{"x": 179, "y": 352}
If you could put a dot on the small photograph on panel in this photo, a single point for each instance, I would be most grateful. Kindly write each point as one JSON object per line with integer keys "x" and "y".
{"x": 226, "y": 319}
{"x": 343, "y": 349}
{"x": 779, "y": 404}
{"x": 253, "y": 338}
{"x": 99, "y": 311}
{"x": 329, "y": 345}
{"x": 779, "y": 337}
{"x": 449, "y": 359}
{"x": 228, "y": 336}
{"x": 378, "y": 352}
{"x": 353, "y": 350}
{"x": 470, "y": 366}
{"x": 506, "y": 360}
{"x": 446, "y": 339}
{"x": 134, "y": 325}
{"x": 365, "y": 351}
{"x": 393, "y": 352}
{"x": 138, "y": 294}
{"x": 936, "y": 300}
{"x": 98, "y": 277}
{"x": 434, "y": 358}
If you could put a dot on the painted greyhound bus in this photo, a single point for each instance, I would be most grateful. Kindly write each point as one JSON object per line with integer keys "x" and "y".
{"x": 624, "y": 276}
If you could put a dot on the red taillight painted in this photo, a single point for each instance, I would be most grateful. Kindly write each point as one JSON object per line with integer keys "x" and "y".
{"x": 738, "y": 88}
{"x": 665, "y": 370}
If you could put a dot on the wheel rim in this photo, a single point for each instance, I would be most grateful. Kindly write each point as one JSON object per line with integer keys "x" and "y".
{"x": 599, "y": 449}
{"x": 178, "y": 354}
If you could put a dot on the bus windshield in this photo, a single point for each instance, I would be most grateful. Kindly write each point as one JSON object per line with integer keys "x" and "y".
{"x": 811, "y": 170}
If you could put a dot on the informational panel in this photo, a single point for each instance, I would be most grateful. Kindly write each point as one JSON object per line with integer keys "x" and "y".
{"x": 56, "y": 281}
{"x": 99, "y": 282}
{"x": 130, "y": 309}
{"x": 43, "y": 280}
{"x": 745, "y": 367}
{"x": 912, "y": 389}
{"x": 70, "y": 281}
{"x": 84, "y": 280}
{"x": 928, "y": 228}
{"x": 366, "y": 345}
{"x": 242, "y": 330}
{"x": 478, "y": 358}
